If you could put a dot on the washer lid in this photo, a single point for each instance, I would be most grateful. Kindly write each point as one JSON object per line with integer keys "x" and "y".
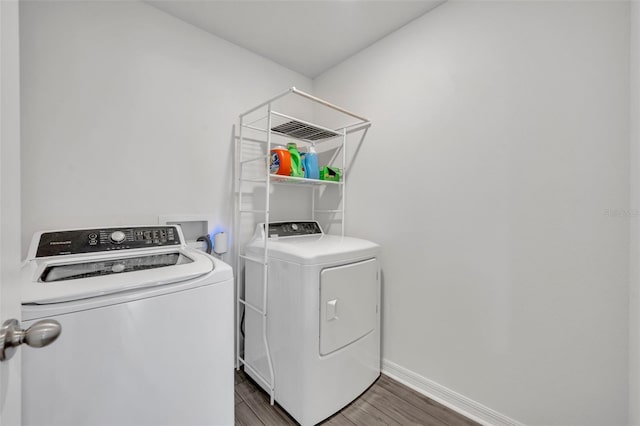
{"x": 315, "y": 249}
{"x": 62, "y": 279}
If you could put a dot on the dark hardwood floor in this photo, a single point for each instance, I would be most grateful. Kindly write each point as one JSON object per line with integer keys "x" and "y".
{"x": 386, "y": 402}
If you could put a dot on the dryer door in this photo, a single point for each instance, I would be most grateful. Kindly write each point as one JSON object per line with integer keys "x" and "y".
{"x": 348, "y": 304}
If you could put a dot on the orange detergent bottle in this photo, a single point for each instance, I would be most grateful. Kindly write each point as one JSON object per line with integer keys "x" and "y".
{"x": 280, "y": 161}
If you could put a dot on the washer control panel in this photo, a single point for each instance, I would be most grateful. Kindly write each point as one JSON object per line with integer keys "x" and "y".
{"x": 106, "y": 239}
{"x": 293, "y": 229}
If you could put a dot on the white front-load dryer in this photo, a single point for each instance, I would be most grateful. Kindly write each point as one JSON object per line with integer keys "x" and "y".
{"x": 322, "y": 317}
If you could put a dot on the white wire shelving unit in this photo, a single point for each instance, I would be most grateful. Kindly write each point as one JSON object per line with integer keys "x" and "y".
{"x": 259, "y": 129}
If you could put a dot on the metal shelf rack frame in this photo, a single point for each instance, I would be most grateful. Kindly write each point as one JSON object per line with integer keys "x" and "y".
{"x": 280, "y": 125}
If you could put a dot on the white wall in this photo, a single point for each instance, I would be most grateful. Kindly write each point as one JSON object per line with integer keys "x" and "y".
{"x": 634, "y": 293}
{"x": 496, "y": 178}
{"x": 127, "y": 114}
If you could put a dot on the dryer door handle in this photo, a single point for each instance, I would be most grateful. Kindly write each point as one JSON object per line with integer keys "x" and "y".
{"x": 332, "y": 310}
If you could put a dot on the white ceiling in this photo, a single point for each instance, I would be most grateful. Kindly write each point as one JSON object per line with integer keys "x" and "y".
{"x": 306, "y": 36}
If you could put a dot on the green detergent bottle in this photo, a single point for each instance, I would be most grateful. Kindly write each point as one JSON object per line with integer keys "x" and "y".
{"x": 296, "y": 164}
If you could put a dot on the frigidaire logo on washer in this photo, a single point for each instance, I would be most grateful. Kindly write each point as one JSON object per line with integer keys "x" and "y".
{"x": 57, "y": 243}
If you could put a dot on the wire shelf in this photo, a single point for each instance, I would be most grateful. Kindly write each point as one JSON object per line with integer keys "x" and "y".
{"x": 274, "y": 129}
{"x": 292, "y": 127}
{"x": 298, "y": 180}
{"x": 299, "y": 130}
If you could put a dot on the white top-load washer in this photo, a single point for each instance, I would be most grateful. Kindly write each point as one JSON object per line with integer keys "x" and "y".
{"x": 323, "y": 317}
{"x": 147, "y": 330}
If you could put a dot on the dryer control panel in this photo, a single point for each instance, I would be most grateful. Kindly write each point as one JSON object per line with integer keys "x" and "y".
{"x": 293, "y": 229}
{"x": 106, "y": 239}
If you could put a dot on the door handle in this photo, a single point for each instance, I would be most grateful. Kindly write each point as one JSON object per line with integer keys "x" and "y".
{"x": 40, "y": 334}
{"x": 332, "y": 309}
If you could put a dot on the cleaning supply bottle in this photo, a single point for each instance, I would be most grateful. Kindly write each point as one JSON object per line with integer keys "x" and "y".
{"x": 311, "y": 164}
{"x": 296, "y": 166}
{"x": 330, "y": 173}
{"x": 280, "y": 161}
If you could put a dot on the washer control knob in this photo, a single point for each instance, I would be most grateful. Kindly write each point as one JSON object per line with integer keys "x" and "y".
{"x": 118, "y": 237}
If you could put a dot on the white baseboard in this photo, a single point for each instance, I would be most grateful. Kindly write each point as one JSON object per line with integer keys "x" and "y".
{"x": 459, "y": 403}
